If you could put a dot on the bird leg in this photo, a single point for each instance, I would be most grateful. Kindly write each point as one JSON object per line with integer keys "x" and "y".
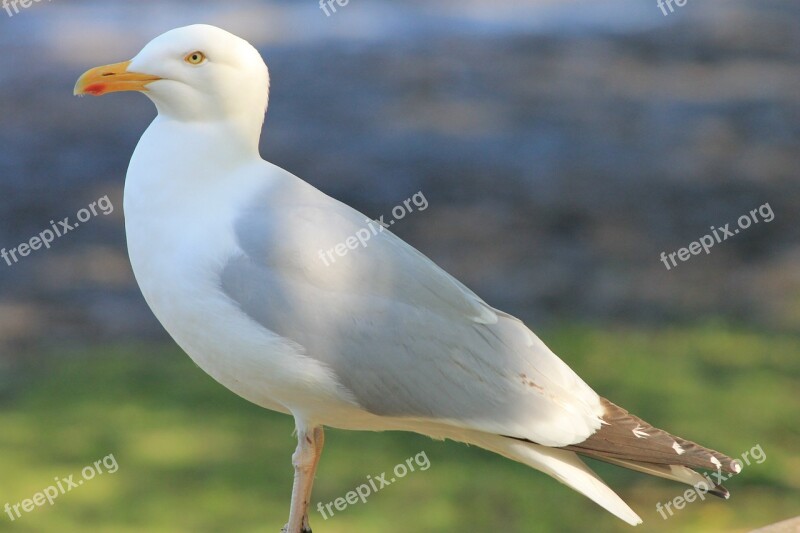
{"x": 305, "y": 460}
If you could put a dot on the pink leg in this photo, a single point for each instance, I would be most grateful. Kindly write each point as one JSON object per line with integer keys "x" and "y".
{"x": 305, "y": 460}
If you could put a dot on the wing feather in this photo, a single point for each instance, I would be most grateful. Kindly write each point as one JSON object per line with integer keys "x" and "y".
{"x": 406, "y": 338}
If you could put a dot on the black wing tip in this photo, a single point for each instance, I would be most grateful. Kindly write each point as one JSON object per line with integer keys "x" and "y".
{"x": 720, "y": 492}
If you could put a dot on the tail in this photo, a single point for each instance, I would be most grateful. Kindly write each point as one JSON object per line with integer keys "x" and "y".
{"x": 623, "y": 440}
{"x": 627, "y": 440}
{"x": 563, "y": 465}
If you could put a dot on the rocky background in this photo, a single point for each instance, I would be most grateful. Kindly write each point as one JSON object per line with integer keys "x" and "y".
{"x": 562, "y": 146}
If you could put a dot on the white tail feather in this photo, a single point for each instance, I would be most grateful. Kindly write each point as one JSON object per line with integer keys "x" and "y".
{"x": 563, "y": 465}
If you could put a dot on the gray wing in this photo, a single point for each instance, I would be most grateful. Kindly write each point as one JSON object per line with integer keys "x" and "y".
{"x": 405, "y": 337}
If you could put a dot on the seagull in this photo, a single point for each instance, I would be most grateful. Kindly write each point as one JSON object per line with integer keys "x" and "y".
{"x": 225, "y": 249}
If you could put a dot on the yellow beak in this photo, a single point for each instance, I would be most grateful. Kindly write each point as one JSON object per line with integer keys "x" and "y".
{"x": 111, "y": 79}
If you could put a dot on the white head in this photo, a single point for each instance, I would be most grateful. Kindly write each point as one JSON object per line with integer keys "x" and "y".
{"x": 197, "y": 73}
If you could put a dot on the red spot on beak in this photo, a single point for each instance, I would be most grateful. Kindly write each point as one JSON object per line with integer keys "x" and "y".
{"x": 96, "y": 89}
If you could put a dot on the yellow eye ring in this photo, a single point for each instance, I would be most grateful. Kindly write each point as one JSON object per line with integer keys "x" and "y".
{"x": 195, "y": 58}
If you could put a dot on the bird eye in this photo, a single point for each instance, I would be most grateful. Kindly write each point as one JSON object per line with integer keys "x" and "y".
{"x": 195, "y": 58}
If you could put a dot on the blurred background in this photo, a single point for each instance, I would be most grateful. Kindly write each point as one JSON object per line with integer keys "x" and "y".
{"x": 562, "y": 145}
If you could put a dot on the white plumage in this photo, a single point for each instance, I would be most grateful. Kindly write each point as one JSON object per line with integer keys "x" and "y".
{"x": 225, "y": 249}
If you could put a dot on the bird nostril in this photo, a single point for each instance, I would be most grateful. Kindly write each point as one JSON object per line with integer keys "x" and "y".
{"x": 107, "y": 74}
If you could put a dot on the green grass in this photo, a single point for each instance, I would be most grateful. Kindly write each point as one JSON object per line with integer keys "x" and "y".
{"x": 194, "y": 457}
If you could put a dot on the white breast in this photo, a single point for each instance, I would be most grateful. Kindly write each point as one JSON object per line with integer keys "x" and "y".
{"x": 179, "y": 220}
